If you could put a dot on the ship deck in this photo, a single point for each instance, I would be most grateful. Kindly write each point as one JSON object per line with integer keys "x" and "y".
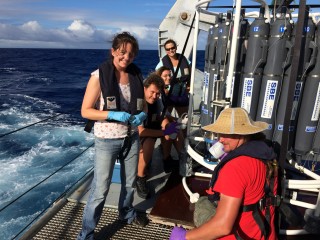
{"x": 168, "y": 206}
{"x": 63, "y": 220}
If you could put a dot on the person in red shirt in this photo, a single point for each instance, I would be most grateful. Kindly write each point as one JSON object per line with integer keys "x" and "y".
{"x": 238, "y": 182}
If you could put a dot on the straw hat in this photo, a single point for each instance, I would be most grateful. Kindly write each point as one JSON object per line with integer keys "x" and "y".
{"x": 235, "y": 121}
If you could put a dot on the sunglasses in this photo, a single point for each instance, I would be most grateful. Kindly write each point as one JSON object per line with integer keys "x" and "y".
{"x": 167, "y": 87}
{"x": 172, "y": 48}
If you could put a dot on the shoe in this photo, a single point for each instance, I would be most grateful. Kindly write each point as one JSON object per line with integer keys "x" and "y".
{"x": 141, "y": 185}
{"x": 141, "y": 220}
{"x": 169, "y": 165}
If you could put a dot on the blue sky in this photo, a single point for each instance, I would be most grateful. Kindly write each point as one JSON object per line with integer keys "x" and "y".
{"x": 79, "y": 23}
{"x": 82, "y": 23}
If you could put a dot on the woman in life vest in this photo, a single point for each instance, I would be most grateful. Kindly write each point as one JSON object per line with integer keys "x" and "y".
{"x": 238, "y": 182}
{"x": 166, "y": 143}
{"x": 114, "y": 99}
{"x": 165, "y": 73}
{"x": 178, "y": 97}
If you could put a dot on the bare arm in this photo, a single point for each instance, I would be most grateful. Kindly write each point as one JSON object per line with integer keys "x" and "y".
{"x": 221, "y": 224}
{"x": 90, "y": 98}
{"x": 147, "y": 132}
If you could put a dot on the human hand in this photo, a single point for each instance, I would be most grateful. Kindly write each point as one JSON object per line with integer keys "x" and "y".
{"x": 118, "y": 116}
{"x": 172, "y": 130}
{"x": 178, "y": 233}
{"x": 136, "y": 120}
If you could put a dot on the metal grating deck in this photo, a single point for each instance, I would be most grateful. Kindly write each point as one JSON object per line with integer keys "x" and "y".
{"x": 66, "y": 224}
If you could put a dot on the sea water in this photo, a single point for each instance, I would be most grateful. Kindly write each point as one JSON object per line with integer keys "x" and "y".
{"x": 45, "y": 86}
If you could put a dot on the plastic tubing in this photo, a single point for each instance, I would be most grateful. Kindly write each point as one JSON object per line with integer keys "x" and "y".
{"x": 194, "y": 197}
{"x": 197, "y": 157}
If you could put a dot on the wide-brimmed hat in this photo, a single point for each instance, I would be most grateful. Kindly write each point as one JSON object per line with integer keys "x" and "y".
{"x": 235, "y": 121}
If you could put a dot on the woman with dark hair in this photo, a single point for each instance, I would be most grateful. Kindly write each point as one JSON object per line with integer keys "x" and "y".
{"x": 114, "y": 99}
{"x": 178, "y": 97}
{"x": 165, "y": 73}
{"x": 169, "y": 163}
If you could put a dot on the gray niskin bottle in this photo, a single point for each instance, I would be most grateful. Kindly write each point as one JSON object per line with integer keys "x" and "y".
{"x": 316, "y": 146}
{"x": 309, "y": 60}
{"x": 280, "y": 32}
{"x": 310, "y": 108}
{"x": 256, "y": 58}
{"x": 222, "y": 57}
{"x": 207, "y": 89}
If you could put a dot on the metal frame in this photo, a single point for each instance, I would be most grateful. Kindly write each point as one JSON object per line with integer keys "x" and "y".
{"x": 287, "y": 184}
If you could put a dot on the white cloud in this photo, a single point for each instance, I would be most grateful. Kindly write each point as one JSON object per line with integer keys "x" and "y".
{"x": 32, "y": 25}
{"x": 79, "y": 34}
{"x": 70, "y": 24}
{"x": 82, "y": 29}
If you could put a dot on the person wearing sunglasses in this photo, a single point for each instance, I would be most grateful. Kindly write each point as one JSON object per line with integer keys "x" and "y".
{"x": 177, "y": 96}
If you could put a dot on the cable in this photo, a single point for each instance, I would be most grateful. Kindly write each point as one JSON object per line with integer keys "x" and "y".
{"x": 51, "y": 204}
{"x": 44, "y": 179}
{"x": 44, "y": 120}
{"x": 17, "y": 130}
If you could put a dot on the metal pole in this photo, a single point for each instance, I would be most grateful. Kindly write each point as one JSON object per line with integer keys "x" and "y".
{"x": 234, "y": 46}
{"x": 296, "y": 70}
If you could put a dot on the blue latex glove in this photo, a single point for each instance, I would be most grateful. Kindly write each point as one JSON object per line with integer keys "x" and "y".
{"x": 172, "y": 128}
{"x": 178, "y": 233}
{"x": 118, "y": 116}
{"x": 138, "y": 119}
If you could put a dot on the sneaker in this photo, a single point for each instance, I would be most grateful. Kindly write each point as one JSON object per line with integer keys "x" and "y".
{"x": 141, "y": 185}
{"x": 169, "y": 164}
{"x": 141, "y": 220}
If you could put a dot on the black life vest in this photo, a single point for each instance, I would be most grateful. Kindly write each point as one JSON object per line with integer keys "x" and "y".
{"x": 111, "y": 92}
{"x": 184, "y": 68}
{"x": 156, "y": 113}
{"x": 260, "y": 151}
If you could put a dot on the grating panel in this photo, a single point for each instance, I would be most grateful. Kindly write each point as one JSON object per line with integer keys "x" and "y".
{"x": 66, "y": 224}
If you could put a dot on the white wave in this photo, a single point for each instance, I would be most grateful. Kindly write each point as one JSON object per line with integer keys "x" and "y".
{"x": 10, "y": 227}
{"x": 17, "y": 99}
{"x": 48, "y": 148}
{"x": 9, "y": 69}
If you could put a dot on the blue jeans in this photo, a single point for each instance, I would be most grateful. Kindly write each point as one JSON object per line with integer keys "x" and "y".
{"x": 106, "y": 154}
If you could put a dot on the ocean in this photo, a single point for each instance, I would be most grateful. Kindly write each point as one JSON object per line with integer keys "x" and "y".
{"x": 45, "y": 86}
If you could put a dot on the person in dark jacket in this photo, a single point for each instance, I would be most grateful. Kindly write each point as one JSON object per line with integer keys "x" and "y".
{"x": 158, "y": 124}
{"x": 169, "y": 162}
{"x": 178, "y": 97}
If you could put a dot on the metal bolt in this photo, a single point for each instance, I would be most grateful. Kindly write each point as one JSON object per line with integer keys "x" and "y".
{"x": 184, "y": 16}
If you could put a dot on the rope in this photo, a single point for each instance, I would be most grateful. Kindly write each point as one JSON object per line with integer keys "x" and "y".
{"x": 44, "y": 120}
{"x": 17, "y": 130}
{"x": 45, "y": 179}
{"x": 64, "y": 193}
